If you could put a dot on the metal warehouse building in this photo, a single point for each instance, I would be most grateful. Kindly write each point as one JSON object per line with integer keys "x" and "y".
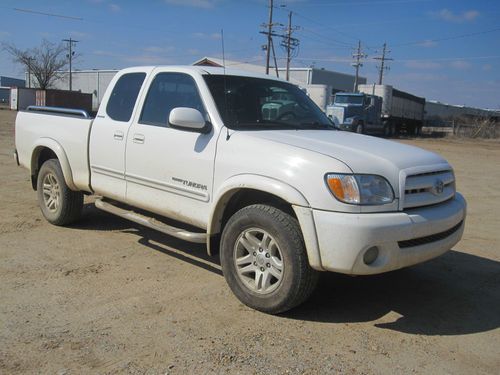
{"x": 299, "y": 76}
{"x": 96, "y": 81}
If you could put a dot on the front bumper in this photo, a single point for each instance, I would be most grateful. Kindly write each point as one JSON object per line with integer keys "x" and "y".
{"x": 403, "y": 238}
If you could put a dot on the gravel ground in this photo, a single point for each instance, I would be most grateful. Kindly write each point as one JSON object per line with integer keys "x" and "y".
{"x": 107, "y": 296}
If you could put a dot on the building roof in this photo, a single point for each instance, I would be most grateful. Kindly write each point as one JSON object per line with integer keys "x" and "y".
{"x": 216, "y": 62}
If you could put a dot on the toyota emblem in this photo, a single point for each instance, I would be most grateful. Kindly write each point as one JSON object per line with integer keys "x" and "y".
{"x": 438, "y": 187}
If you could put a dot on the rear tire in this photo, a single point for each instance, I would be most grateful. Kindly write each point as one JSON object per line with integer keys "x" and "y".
{"x": 264, "y": 259}
{"x": 58, "y": 203}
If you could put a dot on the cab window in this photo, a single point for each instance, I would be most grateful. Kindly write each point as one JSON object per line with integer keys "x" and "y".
{"x": 169, "y": 91}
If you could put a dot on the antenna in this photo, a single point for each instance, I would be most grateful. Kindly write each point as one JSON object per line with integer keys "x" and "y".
{"x": 223, "y": 54}
{"x": 225, "y": 86}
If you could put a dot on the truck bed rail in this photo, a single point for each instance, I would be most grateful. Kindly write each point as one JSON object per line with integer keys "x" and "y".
{"x": 59, "y": 110}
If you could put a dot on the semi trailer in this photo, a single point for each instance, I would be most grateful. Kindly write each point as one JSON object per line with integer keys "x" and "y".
{"x": 378, "y": 108}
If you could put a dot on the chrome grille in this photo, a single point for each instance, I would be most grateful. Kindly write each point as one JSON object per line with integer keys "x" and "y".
{"x": 429, "y": 188}
{"x": 269, "y": 113}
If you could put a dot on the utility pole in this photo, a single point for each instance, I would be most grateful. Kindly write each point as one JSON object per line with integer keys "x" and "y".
{"x": 270, "y": 45}
{"x": 290, "y": 44}
{"x": 70, "y": 56}
{"x": 358, "y": 55}
{"x": 269, "y": 36}
{"x": 382, "y": 66}
{"x": 275, "y": 62}
{"x": 30, "y": 59}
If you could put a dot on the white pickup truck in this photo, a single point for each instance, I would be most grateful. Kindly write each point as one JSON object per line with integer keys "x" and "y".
{"x": 280, "y": 193}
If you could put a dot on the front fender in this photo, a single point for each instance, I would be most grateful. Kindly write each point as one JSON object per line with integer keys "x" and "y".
{"x": 272, "y": 186}
{"x": 255, "y": 182}
{"x": 55, "y": 147}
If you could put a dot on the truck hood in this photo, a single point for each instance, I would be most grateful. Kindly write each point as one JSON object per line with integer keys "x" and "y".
{"x": 361, "y": 153}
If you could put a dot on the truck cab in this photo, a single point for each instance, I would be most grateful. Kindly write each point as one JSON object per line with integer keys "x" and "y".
{"x": 355, "y": 112}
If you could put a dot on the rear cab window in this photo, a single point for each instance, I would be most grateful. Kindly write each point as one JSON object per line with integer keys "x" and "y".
{"x": 122, "y": 100}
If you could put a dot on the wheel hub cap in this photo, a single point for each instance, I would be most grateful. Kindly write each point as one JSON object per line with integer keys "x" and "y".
{"x": 51, "y": 192}
{"x": 258, "y": 260}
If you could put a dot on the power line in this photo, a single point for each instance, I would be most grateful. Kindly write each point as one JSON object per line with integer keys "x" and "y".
{"x": 327, "y": 38}
{"x": 327, "y": 27}
{"x": 47, "y": 14}
{"x": 382, "y": 68}
{"x": 325, "y": 42}
{"x": 337, "y": 3}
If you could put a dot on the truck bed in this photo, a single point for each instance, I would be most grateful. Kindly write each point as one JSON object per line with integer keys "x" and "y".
{"x": 66, "y": 132}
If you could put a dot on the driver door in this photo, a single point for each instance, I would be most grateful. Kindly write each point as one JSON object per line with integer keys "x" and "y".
{"x": 169, "y": 170}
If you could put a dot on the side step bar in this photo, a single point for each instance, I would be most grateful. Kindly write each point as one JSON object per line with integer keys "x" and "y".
{"x": 151, "y": 223}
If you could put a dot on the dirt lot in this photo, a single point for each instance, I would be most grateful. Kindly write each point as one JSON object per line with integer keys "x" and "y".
{"x": 107, "y": 296}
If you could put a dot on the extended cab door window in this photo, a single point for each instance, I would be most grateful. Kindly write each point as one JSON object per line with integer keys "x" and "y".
{"x": 169, "y": 91}
{"x": 122, "y": 100}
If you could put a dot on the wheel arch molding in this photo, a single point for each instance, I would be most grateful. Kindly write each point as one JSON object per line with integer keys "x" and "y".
{"x": 45, "y": 146}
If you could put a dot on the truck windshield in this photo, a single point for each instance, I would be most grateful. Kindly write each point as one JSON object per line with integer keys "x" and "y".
{"x": 258, "y": 104}
{"x": 349, "y": 99}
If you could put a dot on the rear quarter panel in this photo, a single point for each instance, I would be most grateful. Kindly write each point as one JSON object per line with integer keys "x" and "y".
{"x": 66, "y": 136}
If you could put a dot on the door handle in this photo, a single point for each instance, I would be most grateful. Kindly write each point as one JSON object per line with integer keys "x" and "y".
{"x": 138, "y": 138}
{"x": 118, "y": 135}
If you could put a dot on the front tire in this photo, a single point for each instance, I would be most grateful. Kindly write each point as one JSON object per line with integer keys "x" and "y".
{"x": 264, "y": 260}
{"x": 58, "y": 203}
{"x": 360, "y": 128}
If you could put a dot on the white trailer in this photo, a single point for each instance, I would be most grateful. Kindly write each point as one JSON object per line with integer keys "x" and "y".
{"x": 320, "y": 94}
{"x": 400, "y": 109}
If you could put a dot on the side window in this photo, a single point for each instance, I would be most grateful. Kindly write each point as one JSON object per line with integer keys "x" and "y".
{"x": 169, "y": 91}
{"x": 124, "y": 95}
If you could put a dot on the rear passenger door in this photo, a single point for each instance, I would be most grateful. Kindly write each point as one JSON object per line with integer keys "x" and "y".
{"x": 109, "y": 134}
{"x": 169, "y": 170}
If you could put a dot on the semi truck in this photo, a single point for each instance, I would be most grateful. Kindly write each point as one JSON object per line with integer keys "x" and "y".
{"x": 378, "y": 108}
{"x": 252, "y": 168}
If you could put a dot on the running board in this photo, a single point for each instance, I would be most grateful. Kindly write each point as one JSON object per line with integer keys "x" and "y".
{"x": 151, "y": 223}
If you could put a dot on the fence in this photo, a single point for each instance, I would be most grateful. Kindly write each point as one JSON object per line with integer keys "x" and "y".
{"x": 467, "y": 128}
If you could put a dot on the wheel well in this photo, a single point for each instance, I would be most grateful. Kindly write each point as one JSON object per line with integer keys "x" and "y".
{"x": 40, "y": 156}
{"x": 243, "y": 198}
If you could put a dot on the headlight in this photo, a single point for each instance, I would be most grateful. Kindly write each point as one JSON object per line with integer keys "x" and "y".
{"x": 349, "y": 120}
{"x": 360, "y": 189}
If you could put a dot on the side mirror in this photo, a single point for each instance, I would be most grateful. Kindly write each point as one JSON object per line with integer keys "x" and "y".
{"x": 187, "y": 118}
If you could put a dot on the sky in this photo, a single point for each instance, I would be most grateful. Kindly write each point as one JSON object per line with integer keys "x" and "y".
{"x": 445, "y": 50}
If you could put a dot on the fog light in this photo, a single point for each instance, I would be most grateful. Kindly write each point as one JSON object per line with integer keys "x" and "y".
{"x": 370, "y": 255}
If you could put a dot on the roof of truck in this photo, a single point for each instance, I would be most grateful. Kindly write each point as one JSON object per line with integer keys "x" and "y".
{"x": 207, "y": 70}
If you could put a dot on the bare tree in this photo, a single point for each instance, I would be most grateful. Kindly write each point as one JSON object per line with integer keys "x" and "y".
{"x": 43, "y": 63}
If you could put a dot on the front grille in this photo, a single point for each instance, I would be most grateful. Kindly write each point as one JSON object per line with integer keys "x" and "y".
{"x": 429, "y": 188}
{"x": 270, "y": 113}
{"x": 429, "y": 239}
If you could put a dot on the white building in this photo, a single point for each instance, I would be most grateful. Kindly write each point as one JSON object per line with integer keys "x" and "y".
{"x": 299, "y": 76}
{"x": 315, "y": 80}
